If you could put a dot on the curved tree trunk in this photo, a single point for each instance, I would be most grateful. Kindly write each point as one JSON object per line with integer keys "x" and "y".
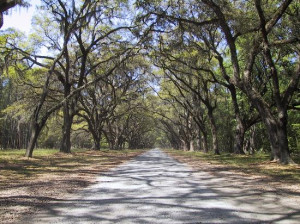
{"x": 96, "y": 139}
{"x": 38, "y": 123}
{"x": 35, "y": 131}
{"x": 276, "y": 128}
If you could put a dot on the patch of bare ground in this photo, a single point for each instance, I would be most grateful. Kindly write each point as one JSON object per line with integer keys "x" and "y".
{"x": 249, "y": 177}
{"x": 26, "y": 185}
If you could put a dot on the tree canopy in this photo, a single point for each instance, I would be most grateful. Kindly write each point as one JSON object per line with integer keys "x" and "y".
{"x": 211, "y": 75}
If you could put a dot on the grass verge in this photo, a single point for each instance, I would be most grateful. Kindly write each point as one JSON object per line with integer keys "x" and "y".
{"x": 252, "y": 164}
{"x": 15, "y": 166}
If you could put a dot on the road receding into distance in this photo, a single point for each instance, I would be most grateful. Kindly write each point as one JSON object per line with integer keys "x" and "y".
{"x": 155, "y": 188}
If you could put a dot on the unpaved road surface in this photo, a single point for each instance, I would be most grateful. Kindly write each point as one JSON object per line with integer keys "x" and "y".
{"x": 155, "y": 188}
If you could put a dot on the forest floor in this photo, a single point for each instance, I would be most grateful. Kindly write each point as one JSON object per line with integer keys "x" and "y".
{"x": 26, "y": 185}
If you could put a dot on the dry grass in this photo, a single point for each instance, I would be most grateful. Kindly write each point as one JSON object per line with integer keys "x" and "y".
{"x": 27, "y": 184}
{"x": 251, "y": 164}
{"x": 268, "y": 175}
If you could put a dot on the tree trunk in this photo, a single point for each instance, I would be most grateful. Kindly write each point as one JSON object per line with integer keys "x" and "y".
{"x": 96, "y": 138}
{"x": 116, "y": 143}
{"x": 66, "y": 139}
{"x": 214, "y": 132}
{"x": 96, "y": 143}
{"x": 199, "y": 141}
{"x": 110, "y": 145}
{"x": 204, "y": 142}
{"x": 191, "y": 146}
{"x": 239, "y": 138}
{"x": 35, "y": 131}
{"x": 276, "y": 128}
{"x": 249, "y": 143}
{"x": 184, "y": 145}
{"x": 239, "y": 128}
{"x": 252, "y": 140}
{"x": 279, "y": 143}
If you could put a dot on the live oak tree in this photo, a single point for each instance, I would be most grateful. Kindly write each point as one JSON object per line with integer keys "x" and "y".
{"x": 202, "y": 93}
{"x": 206, "y": 41}
{"x": 183, "y": 67}
{"x": 176, "y": 116}
{"x": 160, "y": 105}
{"x": 87, "y": 34}
{"x": 76, "y": 50}
{"x": 250, "y": 32}
{"x": 27, "y": 81}
{"x": 60, "y": 46}
{"x": 225, "y": 64}
{"x": 129, "y": 90}
{"x": 268, "y": 25}
{"x": 98, "y": 103}
{"x": 141, "y": 133}
{"x": 59, "y": 65}
{"x": 185, "y": 35}
{"x": 27, "y": 88}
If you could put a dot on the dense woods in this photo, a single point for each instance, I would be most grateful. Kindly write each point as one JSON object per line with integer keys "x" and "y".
{"x": 209, "y": 75}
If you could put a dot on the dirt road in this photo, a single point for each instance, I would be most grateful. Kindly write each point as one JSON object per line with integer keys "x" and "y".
{"x": 155, "y": 188}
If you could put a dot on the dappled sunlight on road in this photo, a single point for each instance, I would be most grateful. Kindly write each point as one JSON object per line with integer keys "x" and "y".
{"x": 155, "y": 188}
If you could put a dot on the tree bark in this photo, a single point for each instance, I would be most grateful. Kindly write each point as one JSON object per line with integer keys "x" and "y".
{"x": 277, "y": 133}
{"x": 96, "y": 144}
{"x": 66, "y": 139}
{"x": 213, "y": 132}
{"x": 240, "y": 127}
{"x": 184, "y": 145}
{"x": 96, "y": 140}
{"x": 35, "y": 131}
{"x": 249, "y": 146}
{"x": 239, "y": 137}
{"x": 191, "y": 148}
{"x": 276, "y": 127}
{"x": 205, "y": 142}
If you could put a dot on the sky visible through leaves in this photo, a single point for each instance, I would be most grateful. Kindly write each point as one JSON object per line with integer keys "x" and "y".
{"x": 20, "y": 18}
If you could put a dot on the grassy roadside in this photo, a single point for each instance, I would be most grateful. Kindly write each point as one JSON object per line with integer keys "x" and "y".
{"x": 27, "y": 184}
{"x": 14, "y": 166}
{"x": 251, "y": 164}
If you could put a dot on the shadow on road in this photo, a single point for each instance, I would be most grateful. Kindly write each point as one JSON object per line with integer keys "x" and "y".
{"x": 154, "y": 188}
